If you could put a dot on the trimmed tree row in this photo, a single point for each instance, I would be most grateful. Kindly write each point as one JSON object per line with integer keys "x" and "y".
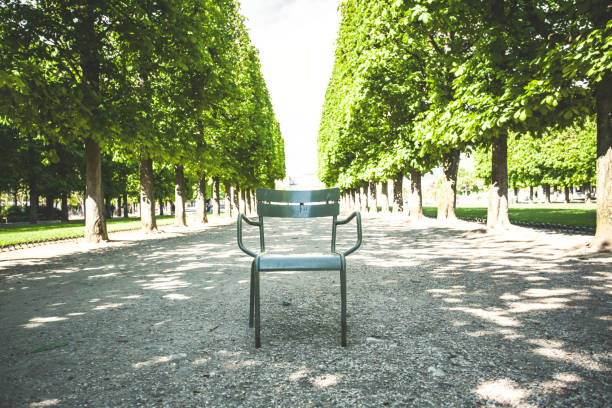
{"x": 150, "y": 85}
{"x": 417, "y": 82}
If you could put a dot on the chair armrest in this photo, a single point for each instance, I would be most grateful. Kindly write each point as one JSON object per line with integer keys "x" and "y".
{"x": 239, "y": 235}
{"x": 346, "y": 221}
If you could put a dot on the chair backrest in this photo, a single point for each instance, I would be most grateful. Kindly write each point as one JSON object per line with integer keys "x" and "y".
{"x": 298, "y": 204}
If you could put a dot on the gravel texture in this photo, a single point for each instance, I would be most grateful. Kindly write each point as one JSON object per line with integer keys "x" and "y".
{"x": 438, "y": 316}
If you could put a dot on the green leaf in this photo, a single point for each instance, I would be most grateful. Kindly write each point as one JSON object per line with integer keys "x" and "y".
{"x": 50, "y": 346}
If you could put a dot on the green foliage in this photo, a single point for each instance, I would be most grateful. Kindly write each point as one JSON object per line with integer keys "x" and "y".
{"x": 178, "y": 82}
{"x": 571, "y": 62}
{"x": 414, "y": 78}
{"x": 50, "y": 346}
{"x": 50, "y": 168}
{"x": 163, "y": 182}
{"x": 482, "y": 164}
{"x": 372, "y": 99}
{"x": 13, "y": 211}
{"x": 10, "y": 155}
{"x": 563, "y": 157}
{"x": 256, "y": 152}
{"x": 467, "y": 182}
{"x": 120, "y": 174}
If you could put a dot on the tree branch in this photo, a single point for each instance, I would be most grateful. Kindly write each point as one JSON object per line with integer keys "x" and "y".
{"x": 435, "y": 45}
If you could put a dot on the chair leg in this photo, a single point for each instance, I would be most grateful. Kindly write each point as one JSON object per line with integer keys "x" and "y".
{"x": 343, "y": 300}
{"x": 257, "y": 308}
{"x": 252, "y": 294}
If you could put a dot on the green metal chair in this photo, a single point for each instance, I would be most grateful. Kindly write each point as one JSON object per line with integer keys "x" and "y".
{"x": 297, "y": 204}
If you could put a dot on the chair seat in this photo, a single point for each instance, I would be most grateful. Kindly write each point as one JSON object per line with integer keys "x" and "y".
{"x": 299, "y": 262}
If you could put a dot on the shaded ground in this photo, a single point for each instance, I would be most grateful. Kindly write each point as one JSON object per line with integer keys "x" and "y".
{"x": 437, "y": 317}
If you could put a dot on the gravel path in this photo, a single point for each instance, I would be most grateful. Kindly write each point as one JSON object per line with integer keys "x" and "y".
{"x": 438, "y": 316}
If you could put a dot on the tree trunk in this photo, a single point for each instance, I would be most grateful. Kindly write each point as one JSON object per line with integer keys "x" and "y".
{"x": 566, "y": 194}
{"x": 161, "y": 207}
{"x": 49, "y": 207}
{"x": 546, "y": 189}
{"x": 247, "y": 200}
{"x": 347, "y": 200}
{"x": 33, "y": 184}
{"x": 180, "y": 217}
{"x": 516, "y": 194}
{"x": 119, "y": 206}
{"x": 64, "y": 216}
{"x": 254, "y": 201}
{"x": 228, "y": 199}
{"x": 201, "y": 217}
{"x": 384, "y": 196}
{"x": 398, "y": 199}
{"x": 363, "y": 196}
{"x": 243, "y": 201}
{"x": 448, "y": 192}
{"x": 416, "y": 195}
{"x": 215, "y": 196}
{"x": 126, "y": 212}
{"x": 15, "y": 197}
{"x": 147, "y": 197}
{"x": 372, "y": 201}
{"x": 95, "y": 223}
{"x": 497, "y": 213}
{"x": 236, "y": 199}
{"x": 587, "y": 193}
{"x": 531, "y": 194}
{"x": 603, "y": 103}
{"x": 107, "y": 213}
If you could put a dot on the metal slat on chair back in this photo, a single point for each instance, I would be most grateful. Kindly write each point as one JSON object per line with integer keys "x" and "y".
{"x": 298, "y": 204}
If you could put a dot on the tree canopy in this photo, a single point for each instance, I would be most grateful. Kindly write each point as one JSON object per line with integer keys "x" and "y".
{"x": 176, "y": 83}
{"x": 415, "y": 80}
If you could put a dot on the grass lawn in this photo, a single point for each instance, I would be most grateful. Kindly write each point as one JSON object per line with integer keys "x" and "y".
{"x": 21, "y": 233}
{"x": 564, "y": 214}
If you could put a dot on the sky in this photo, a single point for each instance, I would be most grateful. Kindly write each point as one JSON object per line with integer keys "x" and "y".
{"x": 296, "y": 42}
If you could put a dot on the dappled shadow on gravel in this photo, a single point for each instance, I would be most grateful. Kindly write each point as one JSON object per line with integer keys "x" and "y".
{"x": 438, "y": 316}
